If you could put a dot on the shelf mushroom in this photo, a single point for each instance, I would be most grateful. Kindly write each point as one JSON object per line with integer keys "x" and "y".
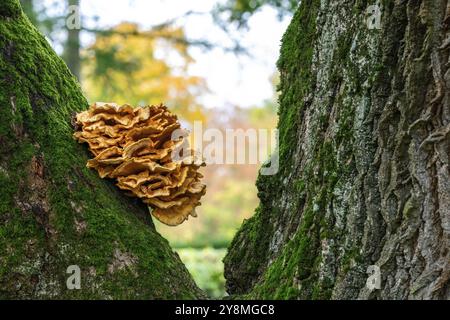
{"x": 135, "y": 146}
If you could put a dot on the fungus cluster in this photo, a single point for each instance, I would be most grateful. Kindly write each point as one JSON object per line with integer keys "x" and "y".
{"x": 136, "y": 146}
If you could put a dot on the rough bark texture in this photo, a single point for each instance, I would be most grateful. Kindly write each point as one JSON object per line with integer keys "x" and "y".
{"x": 54, "y": 212}
{"x": 364, "y": 153}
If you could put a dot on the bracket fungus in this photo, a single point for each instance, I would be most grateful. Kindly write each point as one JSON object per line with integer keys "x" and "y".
{"x": 136, "y": 146}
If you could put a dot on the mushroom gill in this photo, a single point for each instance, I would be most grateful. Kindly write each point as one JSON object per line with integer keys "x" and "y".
{"x": 134, "y": 145}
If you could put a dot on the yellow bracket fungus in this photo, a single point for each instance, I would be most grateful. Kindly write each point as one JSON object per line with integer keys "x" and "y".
{"x": 134, "y": 145}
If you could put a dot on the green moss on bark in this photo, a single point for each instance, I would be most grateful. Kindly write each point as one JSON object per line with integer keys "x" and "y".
{"x": 54, "y": 212}
{"x": 251, "y": 244}
{"x": 294, "y": 230}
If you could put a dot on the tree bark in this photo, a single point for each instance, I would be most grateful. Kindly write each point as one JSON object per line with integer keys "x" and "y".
{"x": 54, "y": 212}
{"x": 364, "y": 160}
{"x": 72, "y": 55}
{"x": 28, "y": 8}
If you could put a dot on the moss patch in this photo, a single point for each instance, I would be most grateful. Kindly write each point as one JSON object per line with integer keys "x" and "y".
{"x": 54, "y": 212}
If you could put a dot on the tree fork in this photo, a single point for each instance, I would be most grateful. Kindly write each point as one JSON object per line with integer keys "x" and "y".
{"x": 54, "y": 212}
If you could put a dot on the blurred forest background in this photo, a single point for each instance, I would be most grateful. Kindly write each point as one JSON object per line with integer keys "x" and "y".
{"x": 129, "y": 63}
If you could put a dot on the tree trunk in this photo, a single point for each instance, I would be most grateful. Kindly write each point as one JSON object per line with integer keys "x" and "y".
{"x": 28, "y": 8}
{"x": 364, "y": 160}
{"x": 72, "y": 46}
{"x": 54, "y": 212}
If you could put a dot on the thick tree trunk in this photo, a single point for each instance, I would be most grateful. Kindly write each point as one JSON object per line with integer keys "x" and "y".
{"x": 54, "y": 212}
{"x": 364, "y": 155}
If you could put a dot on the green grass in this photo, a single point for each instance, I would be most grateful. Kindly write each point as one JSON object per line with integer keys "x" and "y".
{"x": 206, "y": 267}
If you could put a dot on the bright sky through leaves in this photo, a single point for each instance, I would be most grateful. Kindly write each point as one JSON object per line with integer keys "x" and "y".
{"x": 243, "y": 81}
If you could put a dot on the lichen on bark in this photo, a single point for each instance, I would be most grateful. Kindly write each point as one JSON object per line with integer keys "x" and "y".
{"x": 364, "y": 160}
{"x": 54, "y": 212}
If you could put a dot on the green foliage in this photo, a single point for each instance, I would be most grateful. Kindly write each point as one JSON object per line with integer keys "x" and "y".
{"x": 122, "y": 67}
{"x": 206, "y": 267}
{"x": 239, "y": 11}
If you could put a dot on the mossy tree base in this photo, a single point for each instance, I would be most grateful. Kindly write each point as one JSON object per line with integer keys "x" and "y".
{"x": 54, "y": 212}
{"x": 364, "y": 155}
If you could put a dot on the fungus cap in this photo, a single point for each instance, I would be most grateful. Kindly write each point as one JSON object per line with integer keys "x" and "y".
{"x": 133, "y": 145}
